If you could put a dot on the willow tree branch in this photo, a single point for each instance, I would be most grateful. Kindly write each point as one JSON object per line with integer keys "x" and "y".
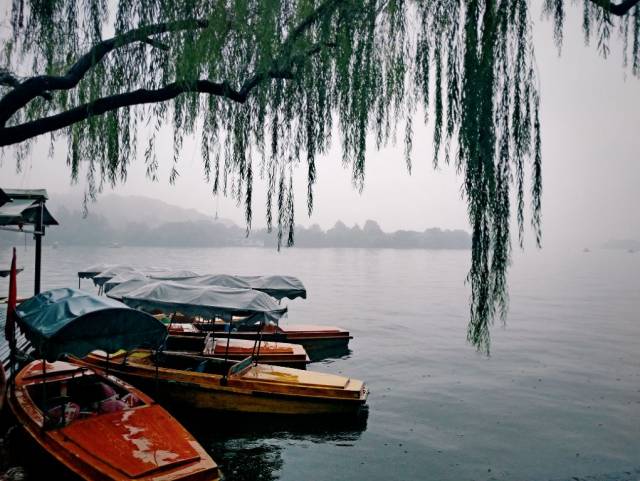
{"x": 619, "y": 9}
{"x": 156, "y": 44}
{"x": 36, "y": 86}
{"x": 8, "y": 79}
{"x": 32, "y": 87}
{"x": 27, "y": 130}
{"x": 20, "y": 133}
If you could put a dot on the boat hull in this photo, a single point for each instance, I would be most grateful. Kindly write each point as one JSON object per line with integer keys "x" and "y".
{"x": 311, "y": 337}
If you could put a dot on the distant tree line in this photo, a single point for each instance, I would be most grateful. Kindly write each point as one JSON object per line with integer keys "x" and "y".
{"x": 97, "y": 230}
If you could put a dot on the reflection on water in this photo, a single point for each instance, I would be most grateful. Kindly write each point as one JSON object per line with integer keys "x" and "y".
{"x": 249, "y": 447}
{"x": 335, "y": 353}
{"x": 244, "y": 460}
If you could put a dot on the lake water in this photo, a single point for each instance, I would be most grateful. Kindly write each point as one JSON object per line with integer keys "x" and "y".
{"x": 558, "y": 399}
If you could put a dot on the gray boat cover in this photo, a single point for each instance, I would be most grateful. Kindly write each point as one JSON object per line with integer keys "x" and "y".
{"x": 124, "y": 277}
{"x": 117, "y": 292}
{"x": 92, "y": 271}
{"x": 209, "y": 302}
{"x": 108, "y": 274}
{"x": 278, "y": 287}
{"x": 169, "y": 275}
{"x": 71, "y": 321}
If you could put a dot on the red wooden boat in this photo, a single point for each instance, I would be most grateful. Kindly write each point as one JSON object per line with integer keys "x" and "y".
{"x": 104, "y": 429}
{"x": 96, "y": 425}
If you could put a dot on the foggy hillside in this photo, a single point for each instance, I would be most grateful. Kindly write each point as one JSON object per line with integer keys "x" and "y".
{"x": 142, "y": 221}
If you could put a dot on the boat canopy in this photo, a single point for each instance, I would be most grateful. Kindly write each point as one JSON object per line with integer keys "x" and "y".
{"x": 209, "y": 302}
{"x": 24, "y": 211}
{"x": 118, "y": 291}
{"x": 7, "y": 273}
{"x": 169, "y": 275}
{"x": 92, "y": 271}
{"x": 71, "y": 321}
{"x": 101, "y": 278}
{"x": 124, "y": 277}
{"x": 278, "y": 287}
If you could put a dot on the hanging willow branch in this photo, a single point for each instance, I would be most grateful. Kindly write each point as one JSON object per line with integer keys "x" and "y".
{"x": 268, "y": 84}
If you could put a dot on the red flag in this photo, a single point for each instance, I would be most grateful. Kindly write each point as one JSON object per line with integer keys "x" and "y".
{"x": 10, "y": 323}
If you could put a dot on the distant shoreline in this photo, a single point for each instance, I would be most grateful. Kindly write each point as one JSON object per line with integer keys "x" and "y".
{"x": 140, "y": 221}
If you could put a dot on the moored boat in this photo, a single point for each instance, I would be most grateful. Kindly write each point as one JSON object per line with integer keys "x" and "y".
{"x": 212, "y": 383}
{"x": 236, "y": 306}
{"x": 96, "y": 425}
{"x": 276, "y": 353}
{"x": 313, "y": 337}
{"x": 238, "y": 313}
{"x": 101, "y": 428}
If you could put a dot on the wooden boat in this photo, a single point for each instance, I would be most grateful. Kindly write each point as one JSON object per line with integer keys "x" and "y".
{"x": 124, "y": 437}
{"x": 312, "y": 337}
{"x": 212, "y": 383}
{"x": 276, "y": 353}
{"x": 94, "y": 424}
{"x": 243, "y": 309}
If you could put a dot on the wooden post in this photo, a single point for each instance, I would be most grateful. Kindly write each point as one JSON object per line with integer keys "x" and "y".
{"x": 37, "y": 235}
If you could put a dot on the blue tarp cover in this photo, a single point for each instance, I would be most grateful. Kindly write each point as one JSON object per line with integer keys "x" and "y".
{"x": 71, "y": 321}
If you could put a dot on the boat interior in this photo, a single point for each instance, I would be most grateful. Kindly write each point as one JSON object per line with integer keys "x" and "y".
{"x": 80, "y": 396}
{"x": 192, "y": 363}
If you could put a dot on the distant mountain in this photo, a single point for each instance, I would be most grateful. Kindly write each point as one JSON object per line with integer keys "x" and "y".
{"x": 121, "y": 210}
{"x": 142, "y": 221}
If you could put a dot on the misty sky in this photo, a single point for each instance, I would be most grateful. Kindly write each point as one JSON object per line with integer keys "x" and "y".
{"x": 590, "y": 114}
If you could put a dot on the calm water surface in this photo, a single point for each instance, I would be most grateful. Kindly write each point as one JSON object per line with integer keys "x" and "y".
{"x": 558, "y": 398}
